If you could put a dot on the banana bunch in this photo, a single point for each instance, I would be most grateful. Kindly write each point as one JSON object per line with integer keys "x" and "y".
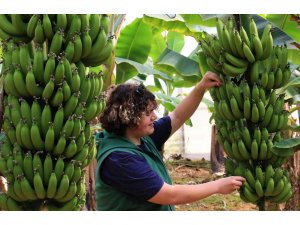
{"x": 14, "y": 26}
{"x": 38, "y": 177}
{"x": 66, "y": 203}
{"x": 234, "y": 102}
{"x": 75, "y": 203}
{"x": 79, "y": 37}
{"x": 243, "y": 144}
{"x": 249, "y": 114}
{"x": 272, "y": 184}
{"x": 51, "y": 96}
{"x": 233, "y": 53}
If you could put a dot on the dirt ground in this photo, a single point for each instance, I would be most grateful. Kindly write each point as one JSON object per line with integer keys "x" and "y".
{"x": 195, "y": 172}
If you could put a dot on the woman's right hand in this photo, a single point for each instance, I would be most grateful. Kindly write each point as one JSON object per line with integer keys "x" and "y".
{"x": 229, "y": 184}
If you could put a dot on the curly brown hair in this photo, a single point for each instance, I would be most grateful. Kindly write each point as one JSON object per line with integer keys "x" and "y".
{"x": 125, "y": 105}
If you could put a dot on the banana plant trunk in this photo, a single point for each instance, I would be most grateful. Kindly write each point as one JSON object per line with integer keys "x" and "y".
{"x": 90, "y": 186}
{"x": 293, "y": 166}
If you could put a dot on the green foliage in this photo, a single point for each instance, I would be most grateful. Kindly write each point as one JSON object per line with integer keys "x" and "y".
{"x": 286, "y": 147}
{"x": 157, "y": 47}
{"x": 134, "y": 43}
{"x": 164, "y": 22}
{"x": 178, "y": 64}
{"x": 175, "y": 41}
{"x": 136, "y": 68}
{"x": 284, "y": 23}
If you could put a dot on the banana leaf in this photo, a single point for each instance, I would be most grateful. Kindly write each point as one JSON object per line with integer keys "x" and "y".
{"x": 180, "y": 65}
{"x": 284, "y": 22}
{"x": 181, "y": 83}
{"x": 288, "y": 143}
{"x": 169, "y": 103}
{"x": 292, "y": 88}
{"x": 175, "y": 41}
{"x": 286, "y": 147}
{"x": 294, "y": 82}
{"x": 157, "y": 47}
{"x": 157, "y": 83}
{"x": 134, "y": 43}
{"x": 293, "y": 94}
{"x": 294, "y": 56}
{"x": 125, "y": 71}
{"x": 197, "y": 23}
{"x": 284, "y": 152}
{"x": 153, "y": 88}
{"x": 128, "y": 65}
{"x": 167, "y": 22}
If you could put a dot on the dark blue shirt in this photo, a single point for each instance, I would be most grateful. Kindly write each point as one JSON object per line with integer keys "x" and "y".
{"x": 131, "y": 173}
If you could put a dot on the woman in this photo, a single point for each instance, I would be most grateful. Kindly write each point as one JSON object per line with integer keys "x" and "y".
{"x": 130, "y": 172}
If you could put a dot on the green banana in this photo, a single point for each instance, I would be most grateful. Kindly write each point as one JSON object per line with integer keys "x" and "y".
{"x": 38, "y": 186}
{"x": 70, "y": 193}
{"x": 252, "y": 197}
{"x": 62, "y": 187}
{"x": 49, "y": 68}
{"x": 233, "y": 71}
{"x": 278, "y": 188}
{"x": 254, "y": 113}
{"x": 20, "y": 83}
{"x": 32, "y": 86}
{"x": 268, "y": 116}
{"x": 60, "y": 146}
{"x": 46, "y": 119}
{"x": 37, "y": 163}
{"x": 77, "y": 49}
{"x": 271, "y": 80}
{"x": 36, "y": 138}
{"x": 94, "y": 22}
{"x": 260, "y": 175}
{"x": 39, "y": 36}
{"x": 27, "y": 189}
{"x": 254, "y": 150}
{"x": 32, "y": 23}
{"x": 61, "y": 22}
{"x": 56, "y": 42}
{"x": 243, "y": 151}
{"x": 58, "y": 121}
{"x": 248, "y": 53}
{"x": 47, "y": 25}
{"x": 59, "y": 169}
{"x": 258, "y": 188}
{"x": 258, "y": 48}
{"x": 48, "y": 168}
{"x": 50, "y": 138}
{"x": 269, "y": 187}
{"x": 52, "y": 186}
{"x": 48, "y": 90}
{"x": 28, "y": 167}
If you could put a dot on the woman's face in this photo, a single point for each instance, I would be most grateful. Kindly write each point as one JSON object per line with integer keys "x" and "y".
{"x": 145, "y": 126}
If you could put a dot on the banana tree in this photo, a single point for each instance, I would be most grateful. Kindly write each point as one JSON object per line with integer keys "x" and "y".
{"x": 168, "y": 67}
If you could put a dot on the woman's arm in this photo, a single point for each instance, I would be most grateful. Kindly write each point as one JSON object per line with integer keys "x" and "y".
{"x": 182, "y": 194}
{"x": 186, "y": 108}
